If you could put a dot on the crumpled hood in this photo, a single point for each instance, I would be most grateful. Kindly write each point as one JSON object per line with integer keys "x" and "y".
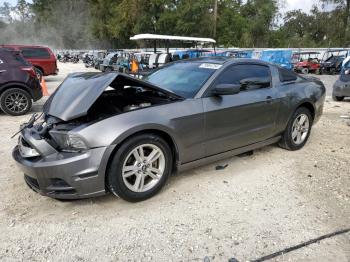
{"x": 78, "y": 92}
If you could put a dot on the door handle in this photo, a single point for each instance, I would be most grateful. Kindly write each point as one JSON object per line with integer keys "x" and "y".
{"x": 268, "y": 99}
{"x": 2, "y": 71}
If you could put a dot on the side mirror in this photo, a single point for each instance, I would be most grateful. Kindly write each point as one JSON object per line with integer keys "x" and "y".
{"x": 226, "y": 89}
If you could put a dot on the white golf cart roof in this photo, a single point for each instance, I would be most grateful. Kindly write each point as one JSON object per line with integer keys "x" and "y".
{"x": 172, "y": 37}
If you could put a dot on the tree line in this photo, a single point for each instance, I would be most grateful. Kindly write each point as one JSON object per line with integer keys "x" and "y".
{"x": 80, "y": 24}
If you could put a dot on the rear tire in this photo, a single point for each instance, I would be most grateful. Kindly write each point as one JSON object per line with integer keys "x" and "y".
{"x": 338, "y": 98}
{"x": 136, "y": 177}
{"x": 305, "y": 70}
{"x": 298, "y": 131}
{"x": 15, "y": 102}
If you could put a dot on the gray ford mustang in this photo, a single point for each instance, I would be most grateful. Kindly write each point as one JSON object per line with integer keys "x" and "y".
{"x": 114, "y": 133}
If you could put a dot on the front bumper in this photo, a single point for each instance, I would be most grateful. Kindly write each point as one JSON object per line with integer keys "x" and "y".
{"x": 64, "y": 175}
{"x": 329, "y": 69}
{"x": 341, "y": 88}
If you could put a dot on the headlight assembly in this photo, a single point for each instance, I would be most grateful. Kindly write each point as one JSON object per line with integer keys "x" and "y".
{"x": 68, "y": 142}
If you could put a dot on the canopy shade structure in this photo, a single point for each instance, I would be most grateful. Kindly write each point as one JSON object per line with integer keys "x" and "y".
{"x": 172, "y": 37}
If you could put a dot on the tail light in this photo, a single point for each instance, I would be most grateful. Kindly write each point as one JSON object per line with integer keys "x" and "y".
{"x": 30, "y": 70}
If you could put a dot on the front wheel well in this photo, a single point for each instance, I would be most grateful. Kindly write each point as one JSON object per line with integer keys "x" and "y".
{"x": 309, "y": 106}
{"x": 157, "y": 132}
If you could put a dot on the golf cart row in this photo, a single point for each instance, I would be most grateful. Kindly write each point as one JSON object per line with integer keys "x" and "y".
{"x": 330, "y": 62}
{"x": 144, "y": 60}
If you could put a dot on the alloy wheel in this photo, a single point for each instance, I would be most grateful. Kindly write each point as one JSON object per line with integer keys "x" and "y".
{"x": 143, "y": 167}
{"x": 16, "y": 102}
{"x": 300, "y": 129}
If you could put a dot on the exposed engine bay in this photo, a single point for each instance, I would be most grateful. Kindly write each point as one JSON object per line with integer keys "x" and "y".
{"x": 122, "y": 100}
{"x": 110, "y": 103}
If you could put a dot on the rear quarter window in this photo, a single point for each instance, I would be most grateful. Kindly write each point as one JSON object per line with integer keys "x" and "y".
{"x": 287, "y": 75}
{"x": 35, "y": 53}
{"x": 20, "y": 59}
{"x": 13, "y": 58}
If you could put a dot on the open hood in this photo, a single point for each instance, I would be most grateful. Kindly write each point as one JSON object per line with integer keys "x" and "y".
{"x": 78, "y": 92}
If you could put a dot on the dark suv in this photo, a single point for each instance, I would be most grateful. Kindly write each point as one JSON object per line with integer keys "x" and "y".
{"x": 19, "y": 85}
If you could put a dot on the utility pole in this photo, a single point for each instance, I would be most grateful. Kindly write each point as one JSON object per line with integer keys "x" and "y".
{"x": 215, "y": 17}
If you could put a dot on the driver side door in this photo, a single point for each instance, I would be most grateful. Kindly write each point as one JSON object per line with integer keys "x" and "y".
{"x": 233, "y": 121}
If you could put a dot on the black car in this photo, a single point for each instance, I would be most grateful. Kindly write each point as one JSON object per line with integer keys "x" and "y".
{"x": 341, "y": 87}
{"x": 19, "y": 85}
{"x": 332, "y": 65}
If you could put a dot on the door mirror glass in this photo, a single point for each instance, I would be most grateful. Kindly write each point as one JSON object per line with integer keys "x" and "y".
{"x": 226, "y": 89}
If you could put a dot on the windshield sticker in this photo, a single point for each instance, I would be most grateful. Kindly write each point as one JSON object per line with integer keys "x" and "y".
{"x": 210, "y": 66}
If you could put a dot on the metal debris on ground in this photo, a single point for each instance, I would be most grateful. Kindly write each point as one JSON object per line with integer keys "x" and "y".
{"x": 221, "y": 167}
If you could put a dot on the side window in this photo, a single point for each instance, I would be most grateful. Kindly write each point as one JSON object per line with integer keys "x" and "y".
{"x": 287, "y": 75}
{"x": 19, "y": 58}
{"x": 249, "y": 76}
{"x": 35, "y": 53}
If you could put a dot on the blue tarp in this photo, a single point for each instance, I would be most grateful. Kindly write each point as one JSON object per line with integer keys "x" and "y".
{"x": 279, "y": 57}
{"x": 183, "y": 54}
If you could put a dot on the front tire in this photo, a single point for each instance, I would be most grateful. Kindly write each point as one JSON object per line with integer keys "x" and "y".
{"x": 108, "y": 70}
{"x": 15, "y": 102}
{"x": 337, "y": 98}
{"x": 140, "y": 168}
{"x": 298, "y": 130}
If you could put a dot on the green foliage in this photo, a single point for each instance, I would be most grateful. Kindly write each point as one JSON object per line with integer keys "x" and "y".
{"x": 110, "y": 23}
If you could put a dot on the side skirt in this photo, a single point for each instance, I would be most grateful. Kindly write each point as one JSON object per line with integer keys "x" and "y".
{"x": 227, "y": 154}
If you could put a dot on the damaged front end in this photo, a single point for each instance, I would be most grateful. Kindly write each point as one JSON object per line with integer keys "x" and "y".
{"x": 59, "y": 163}
{"x": 57, "y": 160}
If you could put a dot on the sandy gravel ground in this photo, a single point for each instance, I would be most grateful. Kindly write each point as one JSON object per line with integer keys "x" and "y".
{"x": 258, "y": 205}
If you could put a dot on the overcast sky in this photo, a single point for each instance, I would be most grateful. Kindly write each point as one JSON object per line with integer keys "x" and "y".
{"x": 305, "y": 5}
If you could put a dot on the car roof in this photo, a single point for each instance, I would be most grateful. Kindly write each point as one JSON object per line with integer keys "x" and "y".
{"x": 18, "y": 46}
{"x": 221, "y": 60}
{"x": 251, "y": 61}
{"x": 207, "y": 59}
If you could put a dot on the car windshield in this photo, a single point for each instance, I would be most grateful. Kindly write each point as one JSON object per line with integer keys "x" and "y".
{"x": 184, "y": 79}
